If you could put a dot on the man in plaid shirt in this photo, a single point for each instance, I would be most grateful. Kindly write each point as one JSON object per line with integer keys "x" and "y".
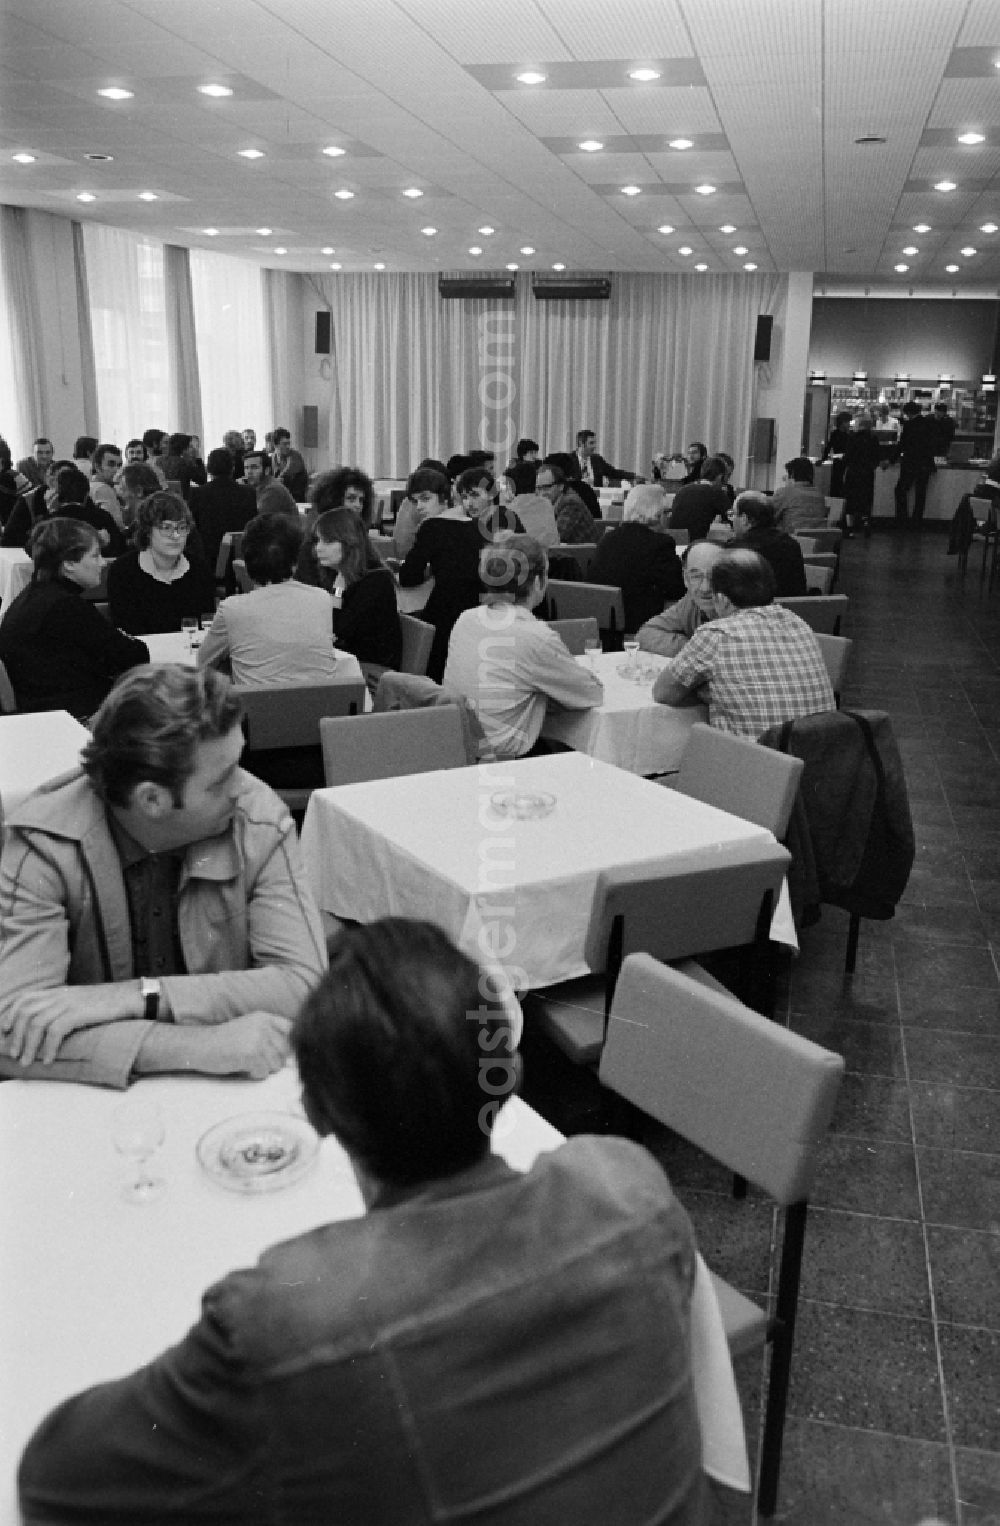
{"x": 756, "y": 663}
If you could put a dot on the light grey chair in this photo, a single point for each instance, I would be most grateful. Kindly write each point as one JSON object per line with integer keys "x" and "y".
{"x": 576, "y": 633}
{"x": 394, "y": 742}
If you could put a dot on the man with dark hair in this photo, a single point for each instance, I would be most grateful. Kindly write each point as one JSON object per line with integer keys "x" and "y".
{"x": 915, "y": 452}
{"x": 753, "y": 526}
{"x": 798, "y": 502}
{"x": 573, "y": 519}
{"x": 34, "y": 467}
{"x": 484, "y": 1343}
{"x": 222, "y": 505}
{"x": 107, "y": 460}
{"x": 944, "y": 430}
{"x": 527, "y": 450}
{"x": 176, "y": 463}
{"x": 271, "y": 497}
{"x": 696, "y": 507}
{"x": 153, "y": 909}
{"x": 756, "y": 663}
{"x": 592, "y": 468}
{"x": 289, "y": 466}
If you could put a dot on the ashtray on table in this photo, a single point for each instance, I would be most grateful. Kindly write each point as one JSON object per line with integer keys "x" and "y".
{"x": 258, "y": 1152}
{"x": 523, "y": 805}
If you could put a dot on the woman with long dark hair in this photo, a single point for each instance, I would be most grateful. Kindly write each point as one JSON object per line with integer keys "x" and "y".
{"x": 365, "y": 617}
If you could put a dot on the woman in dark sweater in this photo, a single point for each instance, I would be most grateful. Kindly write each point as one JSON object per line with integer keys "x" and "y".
{"x": 640, "y": 560}
{"x": 59, "y": 650}
{"x": 448, "y": 546}
{"x": 156, "y": 586}
{"x": 365, "y": 617}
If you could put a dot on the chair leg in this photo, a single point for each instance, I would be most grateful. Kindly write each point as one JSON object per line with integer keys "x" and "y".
{"x": 782, "y": 1338}
{"x": 852, "y": 943}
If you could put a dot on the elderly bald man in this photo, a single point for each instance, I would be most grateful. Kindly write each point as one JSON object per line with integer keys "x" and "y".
{"x": 668, "y": 632}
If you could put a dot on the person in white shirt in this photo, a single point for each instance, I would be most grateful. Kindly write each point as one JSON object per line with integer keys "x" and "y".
{"x": 509, "y": 666}
{"x": 107, "y": 461}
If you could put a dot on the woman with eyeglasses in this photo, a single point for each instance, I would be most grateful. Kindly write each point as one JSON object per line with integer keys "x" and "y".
{"x": 59, "y": 651}
{"x": 156, "y": 586}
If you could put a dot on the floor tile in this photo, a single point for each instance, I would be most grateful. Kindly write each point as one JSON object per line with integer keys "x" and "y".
{"x": 734, "y": 1236}
{"x": 952, "y": 924}
{"x": 971, "y": 1359}
{"x": 866, "y": 1263}
{"x": 966, "y": 1009}
{"x": 872, "y": 1048}
{"x": 964, "y": 1059}
{"x": 965, "y": 1268}
{"x": 928, "y": 963}
{"x": 960, "y": 1188}
{"x": 978, "y": 1486}
{"x": 871, "y": 1000}
{"x": 865, "y": 1176}
{"x": 838, "y": 1476}
{"x": 871, "y": 1371}
{"x": 874, "y": 1107}
{"x": 949, "y": 1117}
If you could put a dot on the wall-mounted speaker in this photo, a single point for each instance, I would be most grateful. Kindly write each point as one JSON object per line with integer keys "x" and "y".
{"x": 762, "y": 343}
{"x": 475, "y": 286}
{"x": 573, "y": 289}
{"x": 323, "y": 336}
{"x": 310, "y": 425}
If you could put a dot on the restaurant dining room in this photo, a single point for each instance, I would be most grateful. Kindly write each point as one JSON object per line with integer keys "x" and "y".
{"x": 500, "y": 950}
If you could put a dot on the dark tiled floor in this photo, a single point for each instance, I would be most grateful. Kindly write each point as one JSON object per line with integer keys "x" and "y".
{"x": 894, "y": 1412}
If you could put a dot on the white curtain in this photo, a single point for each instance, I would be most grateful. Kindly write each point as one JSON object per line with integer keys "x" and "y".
{"x": 667, "y": 359}
{"x": 127, "y": 313}
{"x": 182, "y": 343}
{"x": 22, "y": 414}
{"x": 233, "y": 362}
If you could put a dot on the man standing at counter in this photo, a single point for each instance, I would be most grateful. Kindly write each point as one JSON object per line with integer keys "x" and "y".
{"x": 915, "y": 453}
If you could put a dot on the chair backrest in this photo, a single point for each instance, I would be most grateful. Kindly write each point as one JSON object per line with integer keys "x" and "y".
{"x": 244, "y": 581}
{"x": 582, "y": 553}
{"x": 394, "y": 742}
{"x": 8, "y": 699}
{"x": 836, "y": 650}
{"x": 576, "y": 633}
{"x": 819, "y": 540}
{"x": 688, "y": 910}
{"x": 834, "y": 510}
{"x": 821, "y": 612}
{"x": 819, "y": 577}
{"x": 739, "y": 776}
{"x": 984, "y": 511}
{"x": 289, "y": 716}
{"x": 580, "y": 601}
{"x": 230, "y": 547}
{"x": 418, "y": 638}
{"x": 383, "y": 544}
{"x": 601, "y": 528}
{"x": 750, "y": 1093}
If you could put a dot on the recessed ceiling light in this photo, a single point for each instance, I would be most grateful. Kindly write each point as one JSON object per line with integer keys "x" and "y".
{"x": 280, "y": 249}
{"x": 527, "y": 249}
{"x": 531, "y": 77}
{"x": 921, "y": 227}
{"x": 428, "y": 232}
{"x": 972, "y": 137}
{"x": 740, "y": 249}
{"x": 911, "y": 249}
{"x": 379, "y": 265}
{"x": 23, "y": 158}
{"x": 728, "y": 228}
{"x": 215, "y": 91}
{"x": 644, "y": 75}
{"x": 265, "y": 232}
{"x": 475, "y": 249}
{"x": 685, "y": 249}
{"x": 116, "y": 93}
{"x": 665, "y": 228}
{"x": 344, "y": 195}
{"x": 631, "y": 190}
{"x": 590, "y": 146}
{"x": 210, "y": 232}
{"x": 701, "y": 266}
{"x": 951, "y": 269}
{"x": 100, "y": 158}
{"x": 328, "y": 249}
{"x": 559, "y": 265}
{"x": 335, "y": 266}
{"x": 705, "y": 190}
{"x": 749, "y": 265}
{"x": 148, "y": 196}
{"x": 486, "y": 230}
{"x": 512, "y": 267}
{"x": 680, "y": 143}
{"x": 945, "y": 185}
{"x": 968, "y": 251}
{"x": 333, "y": 152}
{"x": 412, "y": 192}
{"x": 250, "y": 153}
{"x": 86, "y": 196}
{"x": 901, "y": 269}
{"x": 987, "y": 227}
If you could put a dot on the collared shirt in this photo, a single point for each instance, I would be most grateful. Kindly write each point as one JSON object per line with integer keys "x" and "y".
{"x": 586, "y": 468}
{"x": 761, "y": 666}
{"x": 152, "y": 884}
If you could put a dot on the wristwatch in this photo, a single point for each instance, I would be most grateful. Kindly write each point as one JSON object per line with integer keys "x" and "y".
{"x": 149, "y": 990}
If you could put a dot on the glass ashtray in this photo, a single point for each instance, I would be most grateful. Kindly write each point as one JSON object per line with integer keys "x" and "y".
{"x": 258, "y": 1152}
{"x": 523, "y": 805}
{"x": 637, "y": 672}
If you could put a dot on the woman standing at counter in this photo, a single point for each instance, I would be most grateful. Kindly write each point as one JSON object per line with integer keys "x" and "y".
{"x": 862, "y": 454}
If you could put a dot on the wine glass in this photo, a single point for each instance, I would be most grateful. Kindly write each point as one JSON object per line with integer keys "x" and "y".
{"x": 137, "y": 1131}
{"x": 189, "y": 626}
{"x": 631, "y": 649}
{"x": 591, "y": 647}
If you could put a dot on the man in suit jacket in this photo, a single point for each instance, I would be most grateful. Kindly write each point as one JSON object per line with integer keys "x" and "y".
{"x": 753, "y": 526}
{"x": 222, "y": 505}
{"x": 592, "y": 468}
{"x": 915, "y": 454}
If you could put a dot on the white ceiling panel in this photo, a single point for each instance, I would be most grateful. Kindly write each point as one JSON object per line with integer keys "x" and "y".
{"x": 981, "y": 24}
{"x": 477, "y": 33}
{"x": 677, "y": 110}
{"x": 966, "y": 103}
{"x": 580, "y": 113}
{"x": 633, "y": 30}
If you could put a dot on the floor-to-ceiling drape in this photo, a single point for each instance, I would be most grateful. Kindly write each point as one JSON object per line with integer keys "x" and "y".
{"x": 128, "y": 320}
{"x": 21, "y": 392}
{"x": 232, "y": 344}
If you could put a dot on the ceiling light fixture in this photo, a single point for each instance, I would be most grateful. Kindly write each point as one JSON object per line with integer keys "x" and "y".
{"x": 475, "y": 249}
{"x": 335, "y": 266}
{"x": 379, "y": 264}
{"x": 344, "y": 195}
{"x": 900, "y": 269}
{"x": 911, "y": 249}
{"x": 987, "y": 227}
{"x": 512, "y": 267}
{"x": 945, "y": 185}
{"x": 701, "y": 267}
{"x": 215, "y": 91}
{"x": 861, "y": 376}
{"x": 705, "y": 190}
{"x": 968, "y": 251}
{"x": 680, "y": 143}
{"x": 412, "y": 192}
{"x": 428, "y": 232}
{"x": 86, "y": 196}
{"x": 559, "y": 266}
{"x": 631, "y": 190}
{"x": 280, "y": 249}
{"x": 921, "y": 227}
{"x": 685, "y": 249}
{"x": 148, "y": 196}
{"x": 971, "y": 137}
{"x": 665, "y": 228}
{"x": 590, "y": 146}
{"x": 250, "y": 153}
{"x": 486, "y": 230}
{"x": 527, "y": 249}
{"x": 116, "y": 93}
{"x": 740, "y": 249}
{"x": 332, "y": 151}
{"x": 23, "y": 158}
{"x": 210, "y": 232}
{"x": 265, "y": 232}
{"x": 750, "y": 265}
{"x": 728, "y": 228}
{"x": 531, "y": 77}
{"x": 945, "y": 376}
{"x": 951, "y": 269}
{"x": 644, "y": 75}
{"x": 328, "y": 249}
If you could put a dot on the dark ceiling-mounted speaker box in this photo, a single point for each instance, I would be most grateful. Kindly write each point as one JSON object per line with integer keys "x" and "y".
{"x": 323, "y": 340}
{"x": 475, "y": 286}
{"x": 573, "y": 289}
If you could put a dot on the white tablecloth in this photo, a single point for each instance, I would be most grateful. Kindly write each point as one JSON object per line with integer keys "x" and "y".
{"x": 35, "y": 748}
{"x": 430, "y": 845}
{"x": 629, "y": 729}
{"x": 15, "y": 574}
{"x": 91, "y": 1287}
{"x": 173, "y": 646}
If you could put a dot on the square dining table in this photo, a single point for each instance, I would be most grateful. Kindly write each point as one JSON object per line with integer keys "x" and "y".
{"x": 36, "y": 746}
{"x": 15, "y": 575}
{"x": 518, "y": 892}
{"x": 628, "y": 728}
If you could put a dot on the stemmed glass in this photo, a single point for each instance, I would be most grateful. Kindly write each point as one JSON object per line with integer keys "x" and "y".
{"x": 631, "y": 649}
{"x": 137, "y": 1131}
